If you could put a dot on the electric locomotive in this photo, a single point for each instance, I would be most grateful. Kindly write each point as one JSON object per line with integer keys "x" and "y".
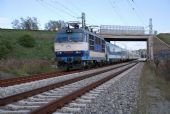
{"x": 79, "y": 47}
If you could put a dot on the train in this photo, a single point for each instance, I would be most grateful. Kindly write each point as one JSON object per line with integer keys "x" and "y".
{"x": 82, "y": 48}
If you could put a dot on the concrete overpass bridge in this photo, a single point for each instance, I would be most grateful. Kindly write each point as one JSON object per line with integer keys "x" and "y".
{"x": 158, "y": 52}
{"x": 156, "y": 48}
{"x": 127, "y": 33}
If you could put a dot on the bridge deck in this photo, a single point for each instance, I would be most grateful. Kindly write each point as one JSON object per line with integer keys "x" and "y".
{"x": 111, "y": 37}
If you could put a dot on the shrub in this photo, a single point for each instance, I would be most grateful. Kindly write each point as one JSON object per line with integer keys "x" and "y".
{"x": 5, "y": 48}
{"x": 27, "y": 41}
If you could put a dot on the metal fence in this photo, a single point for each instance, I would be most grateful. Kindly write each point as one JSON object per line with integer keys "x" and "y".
{"x": 122, "y": 30}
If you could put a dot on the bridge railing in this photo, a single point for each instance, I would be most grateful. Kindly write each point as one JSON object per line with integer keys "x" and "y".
{"x": 119, "y": 30}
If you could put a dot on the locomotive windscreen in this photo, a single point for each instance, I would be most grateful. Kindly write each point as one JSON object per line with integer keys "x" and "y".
{"x": 73, "y": 37}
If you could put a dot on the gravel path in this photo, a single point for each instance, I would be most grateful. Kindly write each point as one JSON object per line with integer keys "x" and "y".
{"x": 119, "y": 98}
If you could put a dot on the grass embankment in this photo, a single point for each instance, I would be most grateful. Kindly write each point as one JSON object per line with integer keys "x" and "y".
{"x": 154, "y": 93}
{"x": 165, "y": 37}
{"x": 27, "y": 61}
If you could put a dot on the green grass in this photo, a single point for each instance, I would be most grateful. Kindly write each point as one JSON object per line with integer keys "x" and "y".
{"x": 165, "y": 37}
{"x": 42, "y": 50}
{"x": 41, "y": 56}
{"x": 153, "y": 92}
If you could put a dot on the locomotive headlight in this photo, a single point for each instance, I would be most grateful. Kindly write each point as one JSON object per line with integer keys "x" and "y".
{"x": 59, "y": 52}
{"x": 69, "y": 31}
{"x": 78, "y": 52}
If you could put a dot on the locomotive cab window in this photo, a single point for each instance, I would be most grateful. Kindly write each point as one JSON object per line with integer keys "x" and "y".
{"x": 61, "y": 38}
{"x": 76, "y": 37}
{"x": 71, "y": 37}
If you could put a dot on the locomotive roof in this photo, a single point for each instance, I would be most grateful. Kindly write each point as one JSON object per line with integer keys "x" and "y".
{"x": 79, "y": 30}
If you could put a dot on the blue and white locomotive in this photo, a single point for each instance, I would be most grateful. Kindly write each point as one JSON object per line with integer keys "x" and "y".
{"x": 77, "y": 47}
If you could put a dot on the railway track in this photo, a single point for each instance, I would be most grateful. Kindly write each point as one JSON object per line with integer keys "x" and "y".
{"x": 48, "y": 99}
{"x": 26, "y": 79}
{"x": 19, "y": 80}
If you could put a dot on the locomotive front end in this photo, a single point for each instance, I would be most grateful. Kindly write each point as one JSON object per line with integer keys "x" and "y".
{"x": 71, "y": 47}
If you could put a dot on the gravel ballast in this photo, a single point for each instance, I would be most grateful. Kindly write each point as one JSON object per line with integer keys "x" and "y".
{"x": 12, "y": 90}
{"x": 119, "y": 98}
{"x": 36, "y": 101}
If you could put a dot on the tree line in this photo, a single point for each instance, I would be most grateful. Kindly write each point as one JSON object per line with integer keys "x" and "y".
{"x": 32, "y": 23}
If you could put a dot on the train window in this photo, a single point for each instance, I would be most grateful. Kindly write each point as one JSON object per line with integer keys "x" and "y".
{"x": 85, "y": 37}
{"x": 103, "y": 45}
{"x": 76, "y": 37}
{"x": 61, "y": 38}
{"x": 91, "y": 42}
{"x": 91, "y": 37}
{"x": 96, "y": 40}
{"x": 73, "y": 37}
{"x": 91, "y": 47}
{"x": 100, "y": 41}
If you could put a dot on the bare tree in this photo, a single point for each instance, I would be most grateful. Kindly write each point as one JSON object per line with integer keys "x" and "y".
{"x": 54, "y": 25}
{"x": 29, "y": 23}
{"x": 16, "y": 24}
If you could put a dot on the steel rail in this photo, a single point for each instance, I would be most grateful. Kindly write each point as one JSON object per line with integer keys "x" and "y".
{"x": 59, "y": 103}
{"x": 20, "y": 96}
{"x": 19, "y": 80}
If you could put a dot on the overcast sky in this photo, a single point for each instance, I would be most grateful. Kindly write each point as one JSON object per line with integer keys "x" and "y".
{"x": 98, "y": 12}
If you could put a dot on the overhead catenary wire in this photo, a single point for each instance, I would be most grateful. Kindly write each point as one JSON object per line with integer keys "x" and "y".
{"x": 51, "y": 9}
{"x": 91, "y": 19}
{"x": 57, "y": 8}
{"x": 65, "y": 7}
{"x": 116, "y": 12}
{"x": 62, "y": 8}
{"x": 139, "y": 10}
{"x": 136, "y": 12}
{"x": 47, "y": 7}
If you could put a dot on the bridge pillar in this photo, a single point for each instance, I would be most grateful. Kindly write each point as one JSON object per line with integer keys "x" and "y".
{"x": 150, "y": 47}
